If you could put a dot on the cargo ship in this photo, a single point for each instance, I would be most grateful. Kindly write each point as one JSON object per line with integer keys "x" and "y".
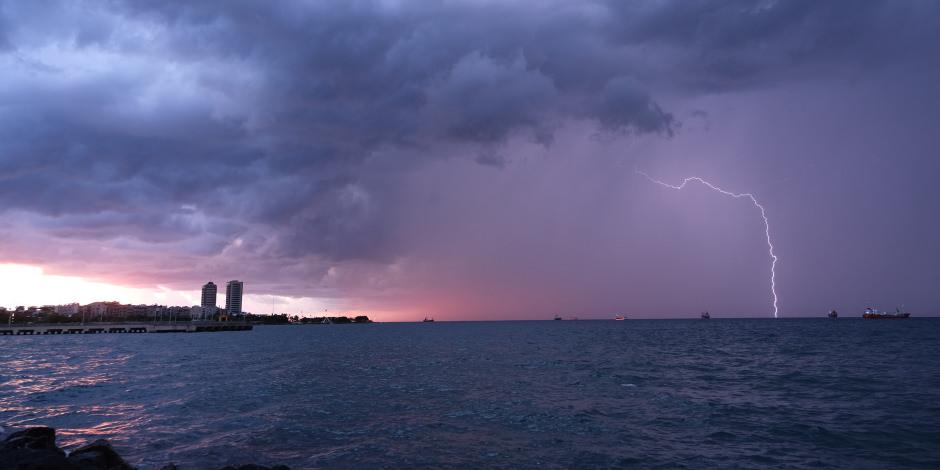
{"x": 875, "y": 314}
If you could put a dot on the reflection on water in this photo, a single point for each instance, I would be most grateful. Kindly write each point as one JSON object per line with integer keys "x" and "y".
{"x": 596, "y": 394}
{"x": 38, "y": 386}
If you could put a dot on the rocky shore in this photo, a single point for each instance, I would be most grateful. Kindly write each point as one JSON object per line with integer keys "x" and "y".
{"x": 35, "y": 449}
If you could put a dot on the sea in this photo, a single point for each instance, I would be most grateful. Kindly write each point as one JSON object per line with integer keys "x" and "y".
{"x": 722, "y": 393}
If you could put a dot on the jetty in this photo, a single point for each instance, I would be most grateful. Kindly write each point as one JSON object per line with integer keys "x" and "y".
{"x": 122, "y": 327}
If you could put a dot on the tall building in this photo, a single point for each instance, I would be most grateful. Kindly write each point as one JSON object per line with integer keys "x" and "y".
{"x": 209, "y": 292}
{"x": 233, "y": 297}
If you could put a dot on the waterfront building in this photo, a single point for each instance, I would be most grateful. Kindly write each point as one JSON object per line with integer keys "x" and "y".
{"x": 137, "y": 312}
{"x": 67, "y": 309}
{"x": 233, "y": 297}
{"x": 197, "y": 312}
{"x": 176, "y": 313}
{"x": 209, "y": 291}
{"x": 155, "y": 312}
{"x": 209, "y": 305}
{"x": 97, "y": 310}
{"x": 115, "y": 310}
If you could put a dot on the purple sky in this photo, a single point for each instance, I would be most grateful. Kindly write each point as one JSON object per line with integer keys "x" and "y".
{"x": 476, "y": 159}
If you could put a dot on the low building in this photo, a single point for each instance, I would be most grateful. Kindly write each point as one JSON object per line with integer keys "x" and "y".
{"x": 198, "y": 312}
{"x": 67, "y": 309}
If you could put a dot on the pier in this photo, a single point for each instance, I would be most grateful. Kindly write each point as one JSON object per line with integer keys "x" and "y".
{"x": 127, "y": 327}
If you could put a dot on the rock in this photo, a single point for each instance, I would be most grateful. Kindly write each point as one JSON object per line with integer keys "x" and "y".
{"x": 29, "y": 459}
{"x": 33, "y": 449}
{"x": 39, "y": 437}
{"x": 99, "y": 455}
{"x": 256, "y": 467}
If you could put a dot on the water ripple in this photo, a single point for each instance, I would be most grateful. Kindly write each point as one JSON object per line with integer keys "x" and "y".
{"x": 687, "y": 394}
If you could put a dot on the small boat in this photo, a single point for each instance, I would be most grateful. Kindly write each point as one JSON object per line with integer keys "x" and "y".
{"x": 427, "y": 320}
{"x": 875, "y": 314}
{"x": 620, "y": 318}
{"x": 706, "y": 316}
{"x": 833, "y": 314}
{"x": 557, "y": 318}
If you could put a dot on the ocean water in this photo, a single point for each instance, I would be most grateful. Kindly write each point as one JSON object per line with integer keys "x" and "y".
{"x": 589, "y": 394}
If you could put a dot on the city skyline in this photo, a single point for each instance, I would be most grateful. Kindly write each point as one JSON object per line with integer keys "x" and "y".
{"x": 208, "y": 301}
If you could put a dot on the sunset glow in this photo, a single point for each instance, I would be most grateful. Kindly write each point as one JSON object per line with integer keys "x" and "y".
{"x": 30, "y": 286}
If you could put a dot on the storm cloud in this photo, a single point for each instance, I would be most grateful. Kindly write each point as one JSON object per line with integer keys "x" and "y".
{"x": 169, "y": 142}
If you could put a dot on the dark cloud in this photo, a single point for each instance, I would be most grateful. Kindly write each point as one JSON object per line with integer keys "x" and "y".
{"x": 625, "y": 105}
{"x": 730, "y": 45}
{"x": 286, "y": 125}
{"x": 481, "y": 100}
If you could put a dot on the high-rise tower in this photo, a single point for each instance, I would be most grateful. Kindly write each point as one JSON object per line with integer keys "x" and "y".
{"x": 209, "y": 292}
{"x": 209, "y": 307}
{"x": 233, "y": 297}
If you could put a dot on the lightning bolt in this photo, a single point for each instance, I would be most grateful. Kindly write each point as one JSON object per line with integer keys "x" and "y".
{"x": 763, "y": 214}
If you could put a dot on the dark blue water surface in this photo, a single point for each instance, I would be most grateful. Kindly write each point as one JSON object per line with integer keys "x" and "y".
{"x": 847, "y": 393}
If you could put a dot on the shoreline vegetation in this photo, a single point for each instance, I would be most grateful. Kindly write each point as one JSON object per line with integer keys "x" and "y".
{"x": 35, "y": 448}
{"x": 243, "y": 323}
{"x": 284, "y": 319}
{"x": 273, "y": 319}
